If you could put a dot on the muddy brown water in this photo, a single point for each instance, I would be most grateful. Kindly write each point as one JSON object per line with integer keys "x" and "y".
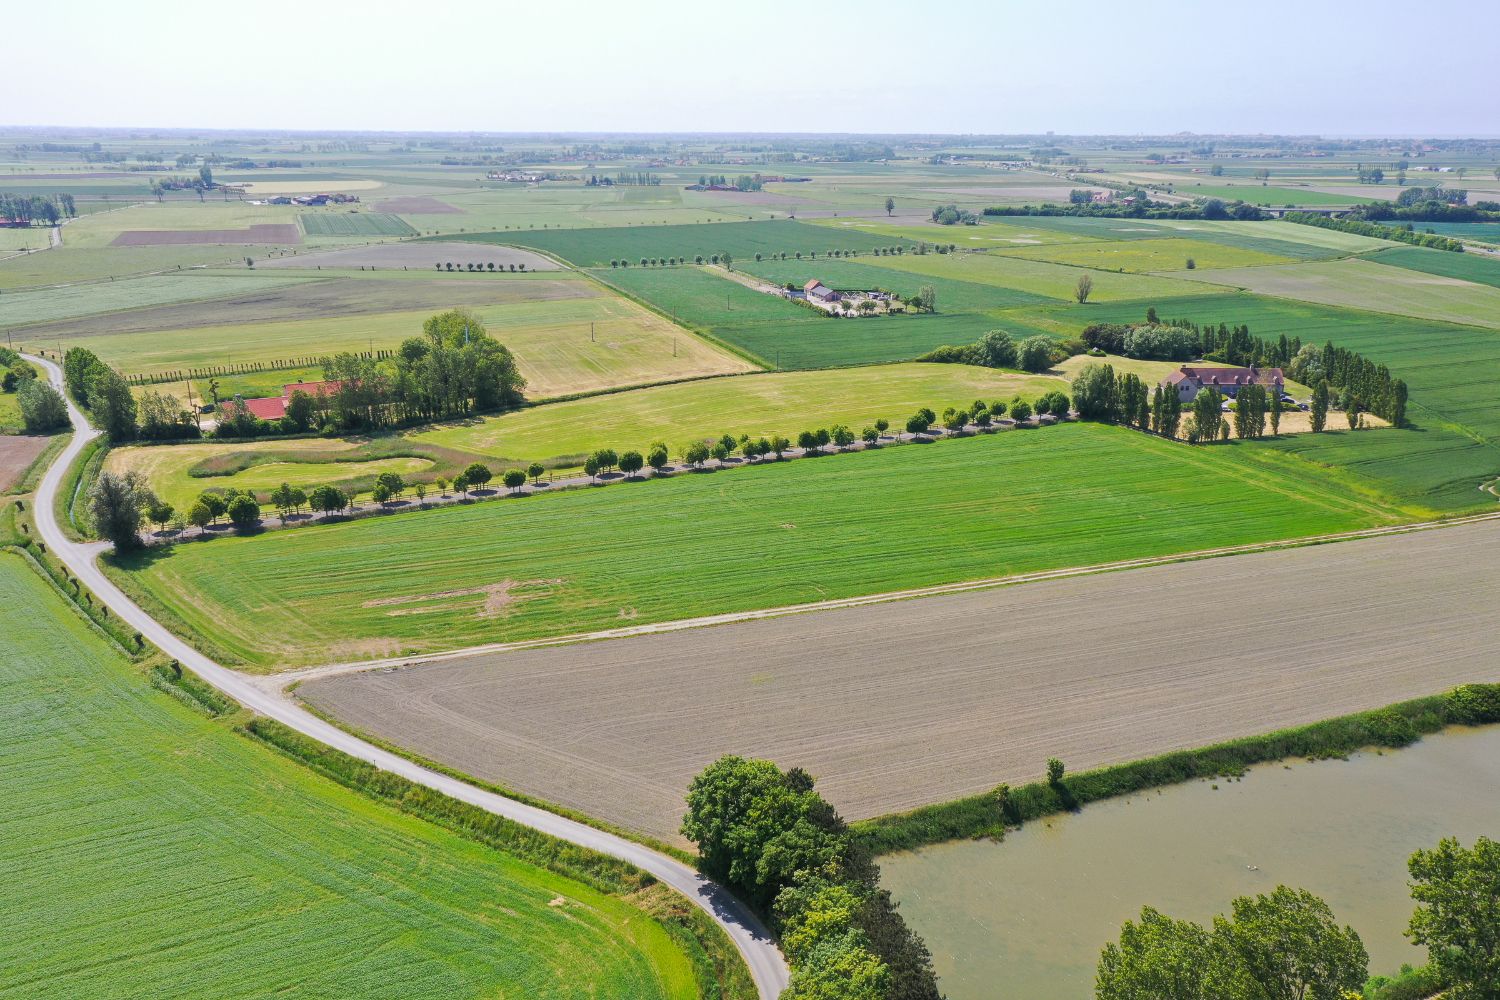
{"x": 1027, "y": 917}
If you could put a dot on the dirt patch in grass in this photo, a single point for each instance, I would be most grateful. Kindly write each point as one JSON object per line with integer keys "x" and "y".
{"x": 17, "y": 452}
{"x": 320, "y": 299}
{"x": 414, "y": 205}
{"x": 900, "y": 705}
{"x": 497, "y": 598}
{"x": 273, "y": 233}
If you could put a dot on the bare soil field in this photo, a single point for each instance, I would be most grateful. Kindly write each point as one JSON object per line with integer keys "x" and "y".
{"x": 17, "y": 452}
{"x": 417, "y": 256}
{"x": 417, "y": 205}
{"x": 276, "y": 233}
{"x": 899, "y": 705}
{"x": 320, "y": 299}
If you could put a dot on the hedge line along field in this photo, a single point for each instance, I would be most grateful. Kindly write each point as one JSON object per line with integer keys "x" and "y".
{"x": 741, "y": 240}
{"x": 1432, "y": 470}
{"x": 800, "y": 531}
{"x": 260, "y": 876}
{"x": 354, "y": 224}
{"x": 1478, "y": 268}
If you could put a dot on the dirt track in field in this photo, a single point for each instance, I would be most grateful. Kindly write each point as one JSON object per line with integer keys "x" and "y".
{"x": 898, "y": 705}
{"x": 329, "y": 298}
{"x": 17, "y": 452}
{"x": 276, "y": 233}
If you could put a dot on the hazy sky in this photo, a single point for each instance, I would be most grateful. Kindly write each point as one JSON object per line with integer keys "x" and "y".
{"x": 1156, "y": 66}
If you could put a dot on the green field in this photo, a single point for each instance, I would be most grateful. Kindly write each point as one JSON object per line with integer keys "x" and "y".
{"x": 1484, "y": 232}
{"x": 1357, "y": 283}
{"x": 353, "y": 224}
{"x": 1434, "y": 470}
{"x": 1483, "y": 270}
{"x": 150, "y": 851}
{"x": 1166, "y": 254}
{"x": 790, "y": 336}
{"x": 759, "y": 405}
{"x": 10, "y": 412}
{"x": 1039, "y": 277}
{"x": 742, "y": 240}
{"x": 1013, "y": 231}
{"x": 23, "y": 308}
{"x": 698, "y": 543}
{"x": 1257, "y": 194}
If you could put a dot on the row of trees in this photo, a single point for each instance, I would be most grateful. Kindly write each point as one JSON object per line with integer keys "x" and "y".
{"x": 1136, "y": 203}
{"x": 1359, "y": 227}
{"x": 1364, "y": 385}
{"x": 1286, "y": 945}
{"x": 28, "y": 209}
{"x": 491, "y": 266}
{"x": 1183, "y": 340}
{"x": 769, "y": 837}
{"x": 106, "y": 394}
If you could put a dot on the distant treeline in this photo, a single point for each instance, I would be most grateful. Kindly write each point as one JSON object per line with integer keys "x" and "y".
{"x": 1361, "y": 228}
{"x": 28, "y": 209}
{"x": 1140, "y": 208}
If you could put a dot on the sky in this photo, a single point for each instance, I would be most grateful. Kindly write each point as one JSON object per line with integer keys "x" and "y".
{"x": 941, "y": 66}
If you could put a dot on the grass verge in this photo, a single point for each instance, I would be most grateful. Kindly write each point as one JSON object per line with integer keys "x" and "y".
{"x": 719, "y": 971}
{"x": 991, "y": 813}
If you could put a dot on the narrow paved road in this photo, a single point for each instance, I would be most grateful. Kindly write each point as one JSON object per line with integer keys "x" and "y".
{"x": 760, "y": 952}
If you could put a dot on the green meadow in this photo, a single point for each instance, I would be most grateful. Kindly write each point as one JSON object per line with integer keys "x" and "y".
{"x": 792, "y": 532}
{"x": 152, "y": 851}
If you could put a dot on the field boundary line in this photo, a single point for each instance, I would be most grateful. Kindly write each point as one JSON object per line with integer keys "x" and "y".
{"x": 280, "y": 682}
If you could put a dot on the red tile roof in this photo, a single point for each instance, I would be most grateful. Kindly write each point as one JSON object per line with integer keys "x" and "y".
{"x": 270, "y": 408}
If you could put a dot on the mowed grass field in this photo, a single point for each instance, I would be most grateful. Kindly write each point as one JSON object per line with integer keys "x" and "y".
{"x": 571, "y": 337}
{"x": 741, "y": 240}
{"x": 346, "y": 223}
{"x": 758, "y": 405}
{"x": 1167, "y": 253}
{"x": 24, "y": 308}
{"x": 698, "y": 543}
{"x": 1364, "y": 284}
{"x": 149, "y": 851}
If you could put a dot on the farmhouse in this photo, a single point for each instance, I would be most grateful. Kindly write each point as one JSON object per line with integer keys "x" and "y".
{"x": 274, "y": 407}
{"x": 816, "y": 291}
{"x": 1189, "y": 380}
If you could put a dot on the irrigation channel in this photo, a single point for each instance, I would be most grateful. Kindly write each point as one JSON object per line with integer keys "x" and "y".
{"x": 761, "y": 954}
{"x": 1026, "y": 917}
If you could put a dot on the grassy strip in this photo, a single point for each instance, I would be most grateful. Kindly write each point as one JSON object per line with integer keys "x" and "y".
{"x": 660, "y": 847}
{"x": 190, "y": 690}
{"x": 719, "y": 971}
{"x": 990, "y": 813}
{"x": 75, "y": 484}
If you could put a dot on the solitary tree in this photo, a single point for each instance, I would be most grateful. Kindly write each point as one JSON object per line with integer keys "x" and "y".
{"x": 890, "y": 203}
{"x": 535, "y": 471}
{"x": 1084, "y": 288}
{"x": 1319, "y": 409}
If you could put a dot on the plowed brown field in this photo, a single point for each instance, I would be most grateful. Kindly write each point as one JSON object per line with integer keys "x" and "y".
{"x": 898, "y": 705}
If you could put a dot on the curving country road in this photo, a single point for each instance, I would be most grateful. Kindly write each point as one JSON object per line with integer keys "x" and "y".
{"x": 767, "y": 966}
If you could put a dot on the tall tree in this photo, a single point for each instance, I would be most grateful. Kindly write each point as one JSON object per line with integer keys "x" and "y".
{"x": 117, "y": 506}
{"x": 890, "y": 203}
{"x": 1318, "y": 412}
{"x": 1458, "y": 914}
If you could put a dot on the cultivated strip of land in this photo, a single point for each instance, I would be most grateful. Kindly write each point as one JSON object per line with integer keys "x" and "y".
{"x": 896, "y": 706}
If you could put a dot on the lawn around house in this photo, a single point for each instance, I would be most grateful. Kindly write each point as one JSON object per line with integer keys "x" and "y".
{"x": 900, "y": 517}
{"x": 260, "y": 876}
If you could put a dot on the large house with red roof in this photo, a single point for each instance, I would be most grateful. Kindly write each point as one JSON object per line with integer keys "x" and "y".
{"x": 274, "y": 407}
{"x": 1189, "y": 380}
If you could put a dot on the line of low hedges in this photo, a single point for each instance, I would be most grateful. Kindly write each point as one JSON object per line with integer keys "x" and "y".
{"x": 988, "y": 814}
{"x": 715, "y": 960}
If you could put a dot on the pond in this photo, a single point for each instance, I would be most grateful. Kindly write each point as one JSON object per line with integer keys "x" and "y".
{"x": 1027, "y": 917}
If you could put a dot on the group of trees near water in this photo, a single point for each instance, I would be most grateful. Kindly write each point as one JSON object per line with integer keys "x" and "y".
{"x": 768, "y": 836}
{"x": 1286, "y": 945}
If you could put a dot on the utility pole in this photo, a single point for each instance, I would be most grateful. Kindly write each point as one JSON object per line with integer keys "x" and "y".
{"x": 591, "y": 331}
{"x": 674, "y": 345}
